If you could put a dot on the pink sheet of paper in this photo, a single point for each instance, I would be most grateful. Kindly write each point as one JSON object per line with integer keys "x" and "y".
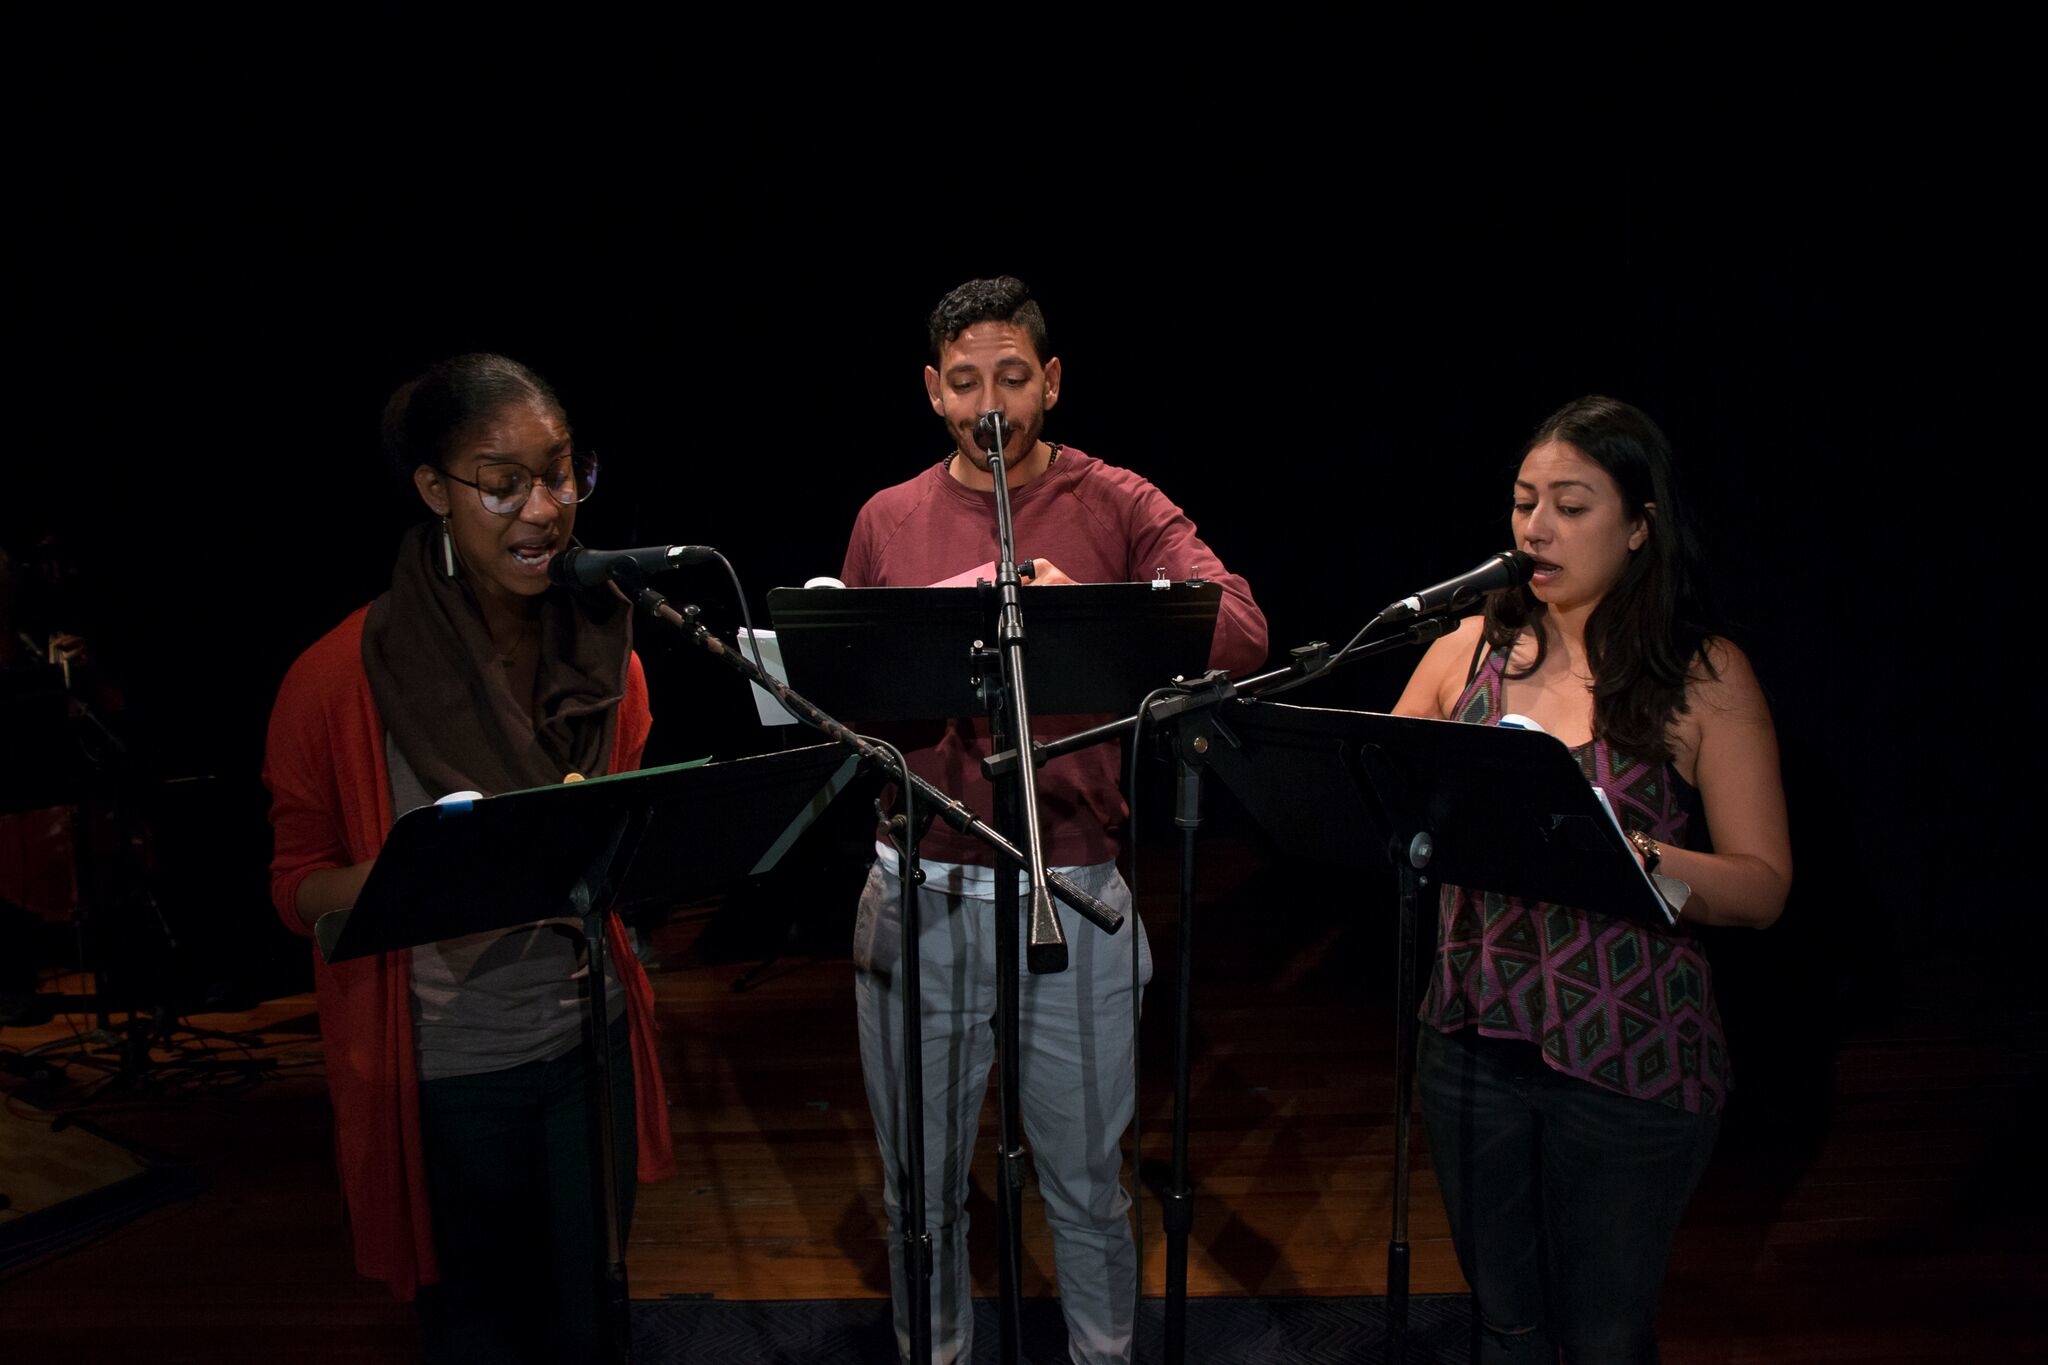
{"x": 970, "y": 578}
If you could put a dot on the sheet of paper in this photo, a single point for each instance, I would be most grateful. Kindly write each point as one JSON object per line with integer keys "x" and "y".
{"x": 770, "y": 710}
{"x": 1600, "y": 795}
{"x": 970, "y": 578}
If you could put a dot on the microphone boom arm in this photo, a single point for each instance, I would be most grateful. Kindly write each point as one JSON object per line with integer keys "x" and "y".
{"x": 1423, "y": 616}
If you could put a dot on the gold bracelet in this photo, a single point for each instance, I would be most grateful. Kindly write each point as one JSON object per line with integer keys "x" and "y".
{"x": 1652, "y": 852}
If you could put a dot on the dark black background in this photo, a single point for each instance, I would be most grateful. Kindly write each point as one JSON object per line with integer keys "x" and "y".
{"x": 1316, "y": 283}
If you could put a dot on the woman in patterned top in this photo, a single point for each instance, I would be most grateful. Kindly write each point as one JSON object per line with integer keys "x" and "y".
{"x": 1573, "y": 1069}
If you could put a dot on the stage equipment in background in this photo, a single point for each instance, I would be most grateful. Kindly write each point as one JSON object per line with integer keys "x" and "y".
{"x": 113, "y": 870}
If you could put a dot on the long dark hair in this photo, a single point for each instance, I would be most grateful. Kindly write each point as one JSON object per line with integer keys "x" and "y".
{"x": 1649, "y": 633}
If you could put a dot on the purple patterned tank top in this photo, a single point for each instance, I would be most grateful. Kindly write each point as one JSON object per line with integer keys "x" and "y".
{"x": 1613, "y": 1003}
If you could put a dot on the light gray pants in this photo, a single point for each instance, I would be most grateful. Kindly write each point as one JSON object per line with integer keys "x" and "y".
{"x": 1075, "y": 1036}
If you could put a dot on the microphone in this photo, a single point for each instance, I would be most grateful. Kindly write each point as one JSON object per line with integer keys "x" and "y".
{"x": 992, "y": 429}
{"x": 581, "y": 567}
{"x": 1460, "y": 596}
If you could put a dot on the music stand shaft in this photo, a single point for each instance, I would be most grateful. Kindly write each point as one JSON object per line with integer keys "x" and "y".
{"x": 1010, "y": 1171}
{"x": 1413, "y": 882}
{"x": 1177, "y": 1212}
{"x": 616, "y": 1305}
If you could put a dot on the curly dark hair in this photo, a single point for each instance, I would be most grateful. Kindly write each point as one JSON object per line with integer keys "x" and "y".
{"x": 1002, "y": 299}
{"x": 1649, "y": 634}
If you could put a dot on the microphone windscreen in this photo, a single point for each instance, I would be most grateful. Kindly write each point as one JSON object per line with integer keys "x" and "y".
{"x": 561, "y": 571}
{"x": 992, "y": 427}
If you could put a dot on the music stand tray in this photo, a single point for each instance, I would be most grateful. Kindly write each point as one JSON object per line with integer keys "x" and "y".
{"x": 905, "y": 653}
{"x": 1507, "y": 810}
{"x": 470, "y": 867}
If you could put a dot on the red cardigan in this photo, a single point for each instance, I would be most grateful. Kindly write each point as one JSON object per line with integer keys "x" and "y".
{"x": 331, "y": 807}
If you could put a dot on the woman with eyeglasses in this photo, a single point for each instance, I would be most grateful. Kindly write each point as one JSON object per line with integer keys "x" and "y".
{"x": 457, "y": 1069}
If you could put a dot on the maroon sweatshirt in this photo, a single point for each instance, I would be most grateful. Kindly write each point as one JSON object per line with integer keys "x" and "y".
{"x": 1098, "y": 524}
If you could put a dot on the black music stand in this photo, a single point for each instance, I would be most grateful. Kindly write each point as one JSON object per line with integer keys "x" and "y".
{"x": 1475, "y": 805}
{"x": 573, "y": 853}
{"x": 926, "y": 654}
{"x": 902, "y": 653}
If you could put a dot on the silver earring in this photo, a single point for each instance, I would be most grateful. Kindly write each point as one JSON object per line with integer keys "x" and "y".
{"x": 447, "y": 550}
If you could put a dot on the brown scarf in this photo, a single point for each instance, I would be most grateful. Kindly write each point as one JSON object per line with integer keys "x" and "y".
{"x": 446, "y": 703}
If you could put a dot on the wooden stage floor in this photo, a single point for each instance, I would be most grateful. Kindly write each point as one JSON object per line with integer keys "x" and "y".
{"x": 1877, "y": 1195}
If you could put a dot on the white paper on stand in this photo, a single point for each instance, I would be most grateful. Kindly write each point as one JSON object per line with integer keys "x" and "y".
{"x": 1649, "y": 879}
{"x": 771, "y": 711}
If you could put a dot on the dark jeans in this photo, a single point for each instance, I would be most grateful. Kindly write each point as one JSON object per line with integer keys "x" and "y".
{"x": 512, "y": 1172}
{"x": 1563, "y": 1198}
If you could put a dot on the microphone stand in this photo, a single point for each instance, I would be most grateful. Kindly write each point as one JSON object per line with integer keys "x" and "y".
{"x": 1196, "y": 732}
{"x": 1047, "y": 947}
{"x": 920, "y": 794}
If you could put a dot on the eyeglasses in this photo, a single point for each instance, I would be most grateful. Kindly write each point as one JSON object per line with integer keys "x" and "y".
{"x": 505, "y": 486}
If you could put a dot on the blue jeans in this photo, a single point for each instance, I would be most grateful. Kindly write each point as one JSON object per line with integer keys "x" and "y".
{"x": 1563, "y": 1198}
{"x": 510, "y": 1165}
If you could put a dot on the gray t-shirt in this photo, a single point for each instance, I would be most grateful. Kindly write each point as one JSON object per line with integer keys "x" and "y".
{"x": 490, "y": 1002}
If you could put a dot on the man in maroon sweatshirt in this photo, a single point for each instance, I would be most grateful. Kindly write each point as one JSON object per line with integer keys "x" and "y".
{"x": 1085, "y": 522}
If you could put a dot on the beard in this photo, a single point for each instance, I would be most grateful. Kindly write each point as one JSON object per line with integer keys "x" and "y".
{"x": 1017, "y": 447}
